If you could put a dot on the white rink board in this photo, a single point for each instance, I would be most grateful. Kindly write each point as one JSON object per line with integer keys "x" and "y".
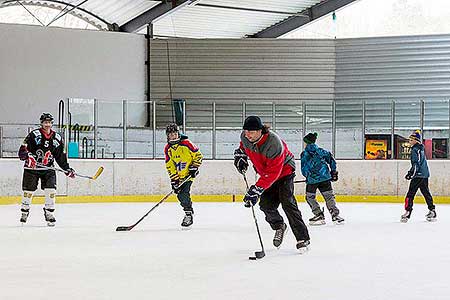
{"x": 372, "y": 257}
{"x": 219, "y": 177}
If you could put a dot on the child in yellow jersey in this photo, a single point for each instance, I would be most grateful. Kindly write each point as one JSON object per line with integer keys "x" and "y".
{"x": 183, "y": 159}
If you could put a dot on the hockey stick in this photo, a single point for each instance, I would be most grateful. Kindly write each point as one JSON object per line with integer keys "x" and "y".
{"x": 262, "y": 253}
{"x": 300, "y": 181}
{"x": 128, "y": 228}
{"x": 96, "y": 175}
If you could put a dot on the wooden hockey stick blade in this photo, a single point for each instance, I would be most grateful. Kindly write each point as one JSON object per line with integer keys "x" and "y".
{"x": 98, "y": 173}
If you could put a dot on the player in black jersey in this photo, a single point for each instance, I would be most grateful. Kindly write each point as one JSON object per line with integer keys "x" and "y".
{"x": 40, "y": 148}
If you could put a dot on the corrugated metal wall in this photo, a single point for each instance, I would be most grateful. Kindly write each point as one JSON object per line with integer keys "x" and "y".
{"x": 236, "y": 70}
{"x": 404, "y": 69}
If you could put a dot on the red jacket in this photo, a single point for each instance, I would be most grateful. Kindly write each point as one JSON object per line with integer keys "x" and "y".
{"x": 270, "y": 157}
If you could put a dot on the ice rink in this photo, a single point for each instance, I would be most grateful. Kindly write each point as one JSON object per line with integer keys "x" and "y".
{"x": 372, "y": 256}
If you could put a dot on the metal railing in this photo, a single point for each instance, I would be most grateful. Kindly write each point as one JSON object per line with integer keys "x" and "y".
{"x": 120, "y": 129}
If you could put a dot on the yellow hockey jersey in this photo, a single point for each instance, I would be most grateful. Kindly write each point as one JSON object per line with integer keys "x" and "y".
{"x": 180, "y": 156}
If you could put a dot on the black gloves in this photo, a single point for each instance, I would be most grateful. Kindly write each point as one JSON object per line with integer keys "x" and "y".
{"x": 334, "y": 175}
{"x": 240, "y": 160}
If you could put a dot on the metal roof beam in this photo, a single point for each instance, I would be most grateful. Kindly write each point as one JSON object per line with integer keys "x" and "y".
{"x": 294, "y": 22}
{"x": 153, "y": 13}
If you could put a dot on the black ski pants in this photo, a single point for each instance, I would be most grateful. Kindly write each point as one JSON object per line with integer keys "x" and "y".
{"x": 415, "y": 184}
{"x": 282, "y": 192}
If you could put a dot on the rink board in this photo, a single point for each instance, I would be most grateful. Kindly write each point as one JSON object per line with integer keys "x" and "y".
{"x": 215, "y": 198}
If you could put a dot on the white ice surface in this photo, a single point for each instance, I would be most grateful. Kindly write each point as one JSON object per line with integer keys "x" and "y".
{"x": 372, "y": 256}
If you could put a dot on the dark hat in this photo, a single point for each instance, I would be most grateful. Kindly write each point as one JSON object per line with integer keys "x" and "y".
{"x": 46, "y": 117}
{"x": 416, "y": 136}
{"x": 310, "y": 138}
{"x": 253, "y": 123}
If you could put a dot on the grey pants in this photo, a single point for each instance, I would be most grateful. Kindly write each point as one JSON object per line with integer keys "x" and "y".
{"x": 326, "y": 190}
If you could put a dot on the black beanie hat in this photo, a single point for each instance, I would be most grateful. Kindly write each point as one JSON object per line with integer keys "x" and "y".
{"x": 310, "y": 138}
{"x": 253, "y": 123}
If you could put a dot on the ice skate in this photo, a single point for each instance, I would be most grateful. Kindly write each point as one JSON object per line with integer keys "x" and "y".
{"x": 24, "y": 217}
{"x": 279, "y": 235}
{"x": 431, "y": 216}
{"x": 338, "y": 220}
{"x": 188, "y": 220}
{"x": 49, "y": 217}
{"x": 405, "y": 217}
{"x": 318, "y": 219}
{"x": 303, "y": 246}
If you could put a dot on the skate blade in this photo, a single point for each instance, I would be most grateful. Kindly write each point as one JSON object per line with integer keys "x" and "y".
{"x": 50, "y": 224}
{"x": 339, "y": 223}
{"x": 403, "y": 220}
{"x": 186, "y": 228}
{"x": 317, "y": 223}
{"x": 303, "y": 250}
{"x": 431, "y": 219}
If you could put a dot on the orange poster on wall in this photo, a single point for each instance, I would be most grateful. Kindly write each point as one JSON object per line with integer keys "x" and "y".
{"x": 376, "y": 149}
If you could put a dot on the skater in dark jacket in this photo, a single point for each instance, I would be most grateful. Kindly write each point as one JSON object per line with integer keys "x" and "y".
{"x": 319, "y": 168}
{"x": 418, "y": 174}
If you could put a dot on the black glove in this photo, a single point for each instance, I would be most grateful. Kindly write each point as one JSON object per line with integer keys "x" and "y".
{"x": 240, "y": 160}
{"x": 409, "y": 176}
{"x": 70, "y": 173}
{"x": 193, "y": 171}
{"x": 334, "y": 175}
{"x": 252, "y": 196}
{"x": 175, "y": 186}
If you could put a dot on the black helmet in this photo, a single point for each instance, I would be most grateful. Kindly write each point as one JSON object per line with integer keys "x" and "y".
{"x": 46, "y": 117}
{"x": 172, "y": 128}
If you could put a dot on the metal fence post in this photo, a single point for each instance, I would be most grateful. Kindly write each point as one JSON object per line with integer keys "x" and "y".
{"x": 214, "y": 136}
{"x": 95, "y": 127}
{"x": 392, "y": 129}
{"x": 333, "y": 128}
{"x": 274, "y": 116}
{"x": 243, "y": 112}
{"x": 422, "y": 117}
{"x": 363, "y": 135}
{"x": 124, "y": 128}
{"x": 303, "y": 121}
{"x": 154, "y": 129}
{"x": 1, "y": 141}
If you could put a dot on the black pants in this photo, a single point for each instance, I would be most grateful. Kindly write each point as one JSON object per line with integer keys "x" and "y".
{"x": 282, "y": 191}
{"x": 422, "y": 184}
{"x": 184, "y": 196}
{"x": 31, "y": 178}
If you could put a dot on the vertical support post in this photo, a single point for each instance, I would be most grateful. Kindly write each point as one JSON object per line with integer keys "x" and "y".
{"x": 422, "y": 117}
{"x": 303, "y": 121}
{"x": 184, "y": 117}
{"x": 149, "y": 37}
{"x": 154, "y": 129}
{"x": 214, "y": 133}
{"x": 1, "y": 141}
{"x": 95, "y": 127}
{"x": 392, "y": 129}
{"x": 274, "y": 116}
{"x": 124, "y": 128}
{"x": 448, "y": 146}
{"x": 363, "y": 135}
{"x": 243, "y": 112}
{"x": 333, "y": 128}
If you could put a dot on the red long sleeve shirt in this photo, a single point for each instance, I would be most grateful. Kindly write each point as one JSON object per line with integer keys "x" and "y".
{"x": 270, "y": 157}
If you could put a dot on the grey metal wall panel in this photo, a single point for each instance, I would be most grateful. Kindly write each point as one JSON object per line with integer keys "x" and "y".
{"x": 398, "y": 68}
{"x": 236, "y": 70}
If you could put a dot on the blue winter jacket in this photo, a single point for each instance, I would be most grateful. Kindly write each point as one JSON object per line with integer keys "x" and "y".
{"x": 316, "y": 164}
{"x": 419, "y": 166}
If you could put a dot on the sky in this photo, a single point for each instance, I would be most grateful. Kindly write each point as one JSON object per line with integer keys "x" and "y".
{"x": 368, "y": 18}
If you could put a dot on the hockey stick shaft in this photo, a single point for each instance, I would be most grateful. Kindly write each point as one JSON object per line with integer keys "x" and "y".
{"x": 300, "y": 181}
{"x": 254, "y": 217}
{"x": 128, "y": 228}
{"x": 99, "y": 171}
